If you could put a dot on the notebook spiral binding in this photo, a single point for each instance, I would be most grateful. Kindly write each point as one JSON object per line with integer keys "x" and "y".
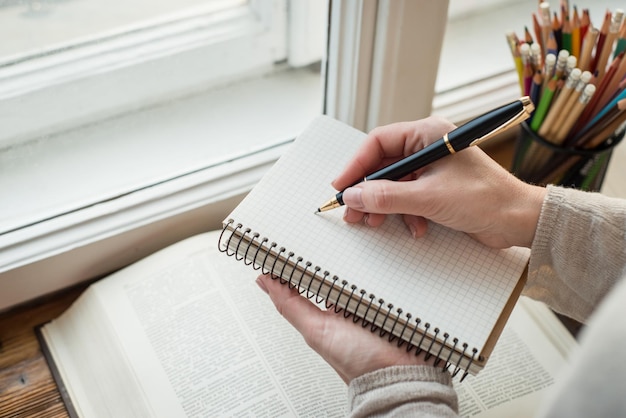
{"x": 275, "y": 261}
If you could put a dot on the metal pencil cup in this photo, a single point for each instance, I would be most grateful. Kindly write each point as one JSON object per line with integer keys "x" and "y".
{"x": 539, "y": 161}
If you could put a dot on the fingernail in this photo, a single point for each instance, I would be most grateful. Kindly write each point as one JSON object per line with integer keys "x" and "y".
{"x": 413, "y": 230}
{"x": 346, "y": 213}
{"x": 352, "y": 197}
{"x": 261, "y": 285}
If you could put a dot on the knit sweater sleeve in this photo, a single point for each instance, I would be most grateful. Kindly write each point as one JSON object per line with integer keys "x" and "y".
{"x": 403, "y": 391}
{"x": 579, "y": 250}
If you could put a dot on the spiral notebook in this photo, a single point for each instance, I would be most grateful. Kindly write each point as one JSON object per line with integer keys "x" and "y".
{"x": 443, "y": 293}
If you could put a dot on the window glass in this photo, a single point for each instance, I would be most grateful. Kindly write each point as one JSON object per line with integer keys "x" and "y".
{"x": 34, "y": 26}
{"x": 179, "y": 87}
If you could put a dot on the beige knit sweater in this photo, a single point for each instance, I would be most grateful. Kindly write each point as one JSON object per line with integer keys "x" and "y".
{"x": 577, "y": 263}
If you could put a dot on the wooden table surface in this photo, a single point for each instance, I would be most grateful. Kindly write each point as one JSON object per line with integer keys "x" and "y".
{"x": 27, "y": 388}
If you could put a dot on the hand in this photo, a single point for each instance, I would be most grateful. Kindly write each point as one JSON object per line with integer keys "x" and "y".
{"x": 467, "y": 191}
{"x": 346, "y": 346}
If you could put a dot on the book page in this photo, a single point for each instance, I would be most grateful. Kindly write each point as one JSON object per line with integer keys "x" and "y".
{"x": 446, "y": 278}
{"x": 198, "y": 338}
{"x": 532, "y": 350}
{"x": 188, "y": 333}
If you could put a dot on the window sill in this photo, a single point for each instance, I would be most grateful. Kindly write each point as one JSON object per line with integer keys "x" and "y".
{"x": 180, "y": 175}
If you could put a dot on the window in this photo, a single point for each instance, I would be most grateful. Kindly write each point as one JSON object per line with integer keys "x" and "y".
{"x": 38, "y": 26}
{"x": 116, "y": 70}
{"x": 109, "y": 133}
{"x": 116, "y": 145}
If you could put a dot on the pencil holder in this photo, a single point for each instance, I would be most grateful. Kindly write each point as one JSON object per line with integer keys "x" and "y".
{"x": 539, "y": 161}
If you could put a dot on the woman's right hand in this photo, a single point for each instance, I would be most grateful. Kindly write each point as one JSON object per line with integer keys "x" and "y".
{"x": 466, "y": 191}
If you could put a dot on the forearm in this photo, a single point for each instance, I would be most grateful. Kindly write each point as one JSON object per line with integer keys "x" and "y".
{"x": 403, "y": 391}
{"x": 579, "y": 250}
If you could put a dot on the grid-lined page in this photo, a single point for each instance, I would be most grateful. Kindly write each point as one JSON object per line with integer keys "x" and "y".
{"x": 445, "y": 278}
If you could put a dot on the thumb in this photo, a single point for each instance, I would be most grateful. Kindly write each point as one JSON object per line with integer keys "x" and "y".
{"x": 300, "y": 312}
{"x": 383, "y": 196}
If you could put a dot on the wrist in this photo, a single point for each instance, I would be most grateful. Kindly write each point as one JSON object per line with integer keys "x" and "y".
{"x": 523, "y": 215}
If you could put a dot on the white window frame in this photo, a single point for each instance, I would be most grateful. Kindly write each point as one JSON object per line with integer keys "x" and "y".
{"x": 383, "y": 59}
{"x": 366, "y": 70}
{"x": 121, "y": 72}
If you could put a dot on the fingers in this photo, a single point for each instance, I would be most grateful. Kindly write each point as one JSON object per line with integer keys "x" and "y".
{"x": 306, "y": 318}
{"x": 384, "y": 197}
{"x": 347, "y": 347}
{"x": 381, "y": 144}
{"x": 370, "y": 219}
{"x": 387, "y": 144}
{"x": 300, "y": 313}
{"x": 418, "y": 225}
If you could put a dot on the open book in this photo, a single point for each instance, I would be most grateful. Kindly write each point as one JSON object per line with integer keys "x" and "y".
{"x": 444, "y": 293}
{"x": 186, "y": 332}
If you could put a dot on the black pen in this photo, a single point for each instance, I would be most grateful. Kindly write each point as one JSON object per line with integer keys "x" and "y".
{"x": 472, "y": 133}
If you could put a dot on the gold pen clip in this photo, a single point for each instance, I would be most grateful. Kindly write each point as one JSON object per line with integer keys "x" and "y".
{"x": 524, "y": 114}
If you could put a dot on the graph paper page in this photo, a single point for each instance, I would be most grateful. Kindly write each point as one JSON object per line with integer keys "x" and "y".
{"x": 445, "y": 278}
